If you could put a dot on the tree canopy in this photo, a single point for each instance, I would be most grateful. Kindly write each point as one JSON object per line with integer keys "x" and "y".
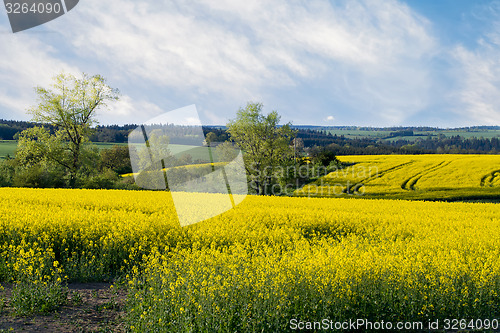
{"x": 70, "y": 105}
{"x": 266, "y": 145}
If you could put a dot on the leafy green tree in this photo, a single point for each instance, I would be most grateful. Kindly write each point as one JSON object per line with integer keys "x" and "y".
{"x": 158, "y": 151}
{"x": 323, "y": 156}
{"x": 226, "y": 152}
{"x": 267, "y": 147}
{"x": 7, "y": 171}
{"x": 70, "y": 106}
{"x": 117, "y": 158}
{"x": 210, "y": 137}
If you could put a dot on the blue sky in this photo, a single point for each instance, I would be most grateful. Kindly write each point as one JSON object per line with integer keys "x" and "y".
{"x": 318, "y": 62}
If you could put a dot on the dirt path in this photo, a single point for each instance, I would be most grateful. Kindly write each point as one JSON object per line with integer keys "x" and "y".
{"x": 92, "y": 307}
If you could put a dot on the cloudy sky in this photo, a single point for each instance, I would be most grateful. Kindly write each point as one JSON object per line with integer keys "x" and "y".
{"x": 317, "y": 62}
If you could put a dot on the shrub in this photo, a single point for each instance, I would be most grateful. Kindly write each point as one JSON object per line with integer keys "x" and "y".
{"x": 37, "y": 297}
{"x": 104, "y": 180}
{"x": 38, "y": 176}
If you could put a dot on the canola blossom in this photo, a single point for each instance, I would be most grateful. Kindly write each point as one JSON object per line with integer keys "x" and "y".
{"x": 266, "y": 261}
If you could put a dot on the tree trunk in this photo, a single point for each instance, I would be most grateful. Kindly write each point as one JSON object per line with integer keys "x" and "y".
{"x": 76, "y": 157}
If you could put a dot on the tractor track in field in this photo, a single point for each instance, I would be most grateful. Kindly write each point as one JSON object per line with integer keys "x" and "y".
{"x": 362, "y": 182}
{"x": 488, "y": 179}
{"x": 412, "y": 183}
{"x": 409, "y": 183}
{"x": 383, "y": 173}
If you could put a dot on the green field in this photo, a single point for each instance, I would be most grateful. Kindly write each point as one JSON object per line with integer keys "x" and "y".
{"x": 421, "y": 177}
{"x": 7, "y": 148}
{"x": 353, "y": 133}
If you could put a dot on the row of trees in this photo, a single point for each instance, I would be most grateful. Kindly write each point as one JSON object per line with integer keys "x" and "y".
{"x": 454, "y": 144}
{"x": 339, "y": 144}
{"x": 58, "y": 152}
{"x": 99, "y": 169}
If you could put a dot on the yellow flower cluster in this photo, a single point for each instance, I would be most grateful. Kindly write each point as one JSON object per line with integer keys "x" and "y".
{"x": 268, "y": 260}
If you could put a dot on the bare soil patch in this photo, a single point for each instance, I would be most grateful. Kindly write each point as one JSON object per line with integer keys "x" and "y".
{"x": 91, "y": 307}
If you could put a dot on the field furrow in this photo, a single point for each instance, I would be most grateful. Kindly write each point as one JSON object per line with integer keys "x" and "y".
{"x": 490, "y": 179}
{"x": 409, "y": 184}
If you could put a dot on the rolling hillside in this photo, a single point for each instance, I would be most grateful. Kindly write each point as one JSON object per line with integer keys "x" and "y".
{"x": 429, "y": 177}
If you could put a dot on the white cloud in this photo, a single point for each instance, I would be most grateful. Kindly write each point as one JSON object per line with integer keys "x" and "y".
{"x": 129, "y": 110}
{"x": 370, "y": 56}
{"x": 478, "y": 77}
{"x": 25, "y": 64}
{"x": 329, "y": 118}
{"x": 234, "y": 50}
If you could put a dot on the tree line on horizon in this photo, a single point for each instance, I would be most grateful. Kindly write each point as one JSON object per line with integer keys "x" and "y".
{"x": 339, "y": 144}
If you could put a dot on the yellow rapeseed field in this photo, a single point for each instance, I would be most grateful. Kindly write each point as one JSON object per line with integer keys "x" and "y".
{"x": 406, "y": 176}
{"x": 262, "y": 264}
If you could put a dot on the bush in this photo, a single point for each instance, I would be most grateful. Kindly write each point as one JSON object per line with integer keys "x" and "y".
{"x": 323, "y": 156}
{"x": 117, "y": 159}
{"x": 38, "y": 176}
{"x": 7, "y": 171}
{"x": 104, "y": 180}
{"x": 127, "y": 183}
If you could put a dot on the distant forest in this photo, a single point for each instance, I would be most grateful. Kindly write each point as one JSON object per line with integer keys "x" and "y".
{"x": 422, "y": 145}
{"x": 317, "y": 136}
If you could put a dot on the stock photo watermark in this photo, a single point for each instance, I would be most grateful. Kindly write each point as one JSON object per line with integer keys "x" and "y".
{"x": 26, "y": 14}
{"x": 363, "y": 324}
{"x": 171, "y": 152}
